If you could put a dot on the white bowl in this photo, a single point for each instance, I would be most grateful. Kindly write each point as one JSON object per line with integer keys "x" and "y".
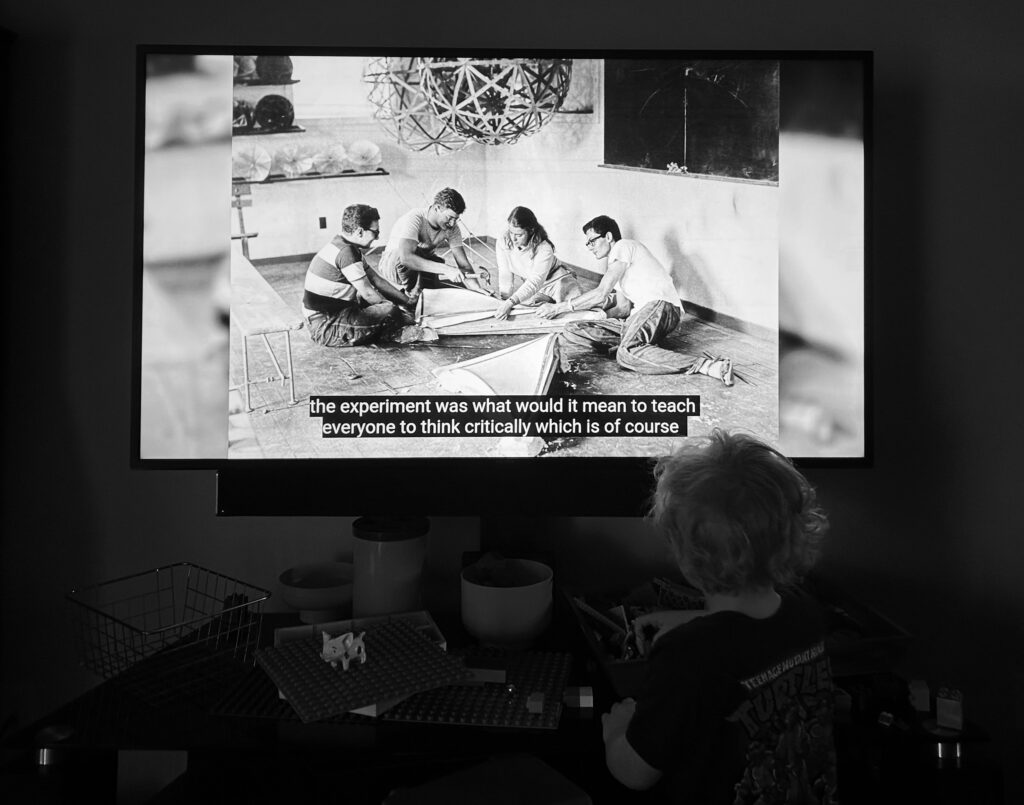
{"x": 321, "y": 591}
{"x": 507, "y": 604}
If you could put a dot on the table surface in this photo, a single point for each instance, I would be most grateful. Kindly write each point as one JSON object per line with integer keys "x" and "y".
{"x": 287, "y": 756}
{"x": 234, "y": 758}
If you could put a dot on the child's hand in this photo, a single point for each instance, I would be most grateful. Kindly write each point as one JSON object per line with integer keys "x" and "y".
{"x": 650, "y": 627}
{"x": 615, "y": 721}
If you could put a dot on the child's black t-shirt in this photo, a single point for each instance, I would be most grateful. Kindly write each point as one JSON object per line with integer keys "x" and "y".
{"x": 739, "y": 710}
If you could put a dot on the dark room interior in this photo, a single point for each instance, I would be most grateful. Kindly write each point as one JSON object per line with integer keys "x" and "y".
{"x": 925, "y": 535}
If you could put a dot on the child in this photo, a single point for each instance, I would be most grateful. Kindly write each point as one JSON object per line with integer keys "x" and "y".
{"x": 738, "y": 703}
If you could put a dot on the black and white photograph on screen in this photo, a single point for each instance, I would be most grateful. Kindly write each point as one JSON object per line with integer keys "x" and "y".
{"x": 411, "y": 227}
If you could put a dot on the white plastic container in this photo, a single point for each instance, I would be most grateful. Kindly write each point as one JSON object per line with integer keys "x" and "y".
{"x": 510, "y": 608}
{"x": 389, "y": 554}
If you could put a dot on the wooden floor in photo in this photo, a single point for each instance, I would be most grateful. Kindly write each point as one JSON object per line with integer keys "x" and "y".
{"x": 278, "y": 429}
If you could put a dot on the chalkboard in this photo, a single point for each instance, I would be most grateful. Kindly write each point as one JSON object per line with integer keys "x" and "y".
{"x": 710, "y": 117}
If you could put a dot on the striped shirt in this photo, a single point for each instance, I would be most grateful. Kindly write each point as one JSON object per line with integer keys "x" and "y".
{"x": 329, "y": 279}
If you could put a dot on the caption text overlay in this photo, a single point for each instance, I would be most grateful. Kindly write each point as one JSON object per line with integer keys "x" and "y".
{"x": 466, "y": 416}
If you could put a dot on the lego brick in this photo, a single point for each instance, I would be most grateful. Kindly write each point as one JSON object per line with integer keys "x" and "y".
{"x": 579, "y": 697}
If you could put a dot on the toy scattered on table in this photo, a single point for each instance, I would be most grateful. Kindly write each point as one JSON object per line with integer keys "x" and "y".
{"x": 400, "y": 662}
{"x": 490, "y": 704}
{"x": 600, "y": 617}
{"x": 578, "y": 697}
{"x": 614, "y": 623}
{"x": 343, "y": 648}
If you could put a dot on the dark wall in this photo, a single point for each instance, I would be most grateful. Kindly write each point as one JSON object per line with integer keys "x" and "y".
{"x": 931, "y": 534}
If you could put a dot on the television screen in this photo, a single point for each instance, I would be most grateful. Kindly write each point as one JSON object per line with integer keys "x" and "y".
{"x": 547, "y": 263}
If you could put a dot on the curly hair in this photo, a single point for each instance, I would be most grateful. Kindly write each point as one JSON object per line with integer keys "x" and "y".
{"x": 524, "y": 218}
{"x": 358, "y": 216}
{"x": 449, "y": 199}
{"x": 737, "y": 513}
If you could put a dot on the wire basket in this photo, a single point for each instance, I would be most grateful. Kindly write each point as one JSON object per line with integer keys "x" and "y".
{"x": 178, "y": 630}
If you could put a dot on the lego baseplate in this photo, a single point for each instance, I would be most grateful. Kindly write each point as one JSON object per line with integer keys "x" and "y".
{"x": 493, "y": 704}
{"x": 400, "y": 661}
{"x": 483, "y": 705}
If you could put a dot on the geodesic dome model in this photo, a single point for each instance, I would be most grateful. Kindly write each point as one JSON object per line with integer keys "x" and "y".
{"x": 403, "y": 109}
{"x": 495, "y": 101}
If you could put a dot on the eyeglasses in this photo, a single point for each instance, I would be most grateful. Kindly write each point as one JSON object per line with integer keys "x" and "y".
{"x": 374, "y": 232}
{"x": 450, "y": 217}
{"x": 593, "y": 240}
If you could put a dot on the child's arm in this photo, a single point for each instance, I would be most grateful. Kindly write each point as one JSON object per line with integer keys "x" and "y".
{"x": 624, "y": 763}
{"x": 650, "y": 627}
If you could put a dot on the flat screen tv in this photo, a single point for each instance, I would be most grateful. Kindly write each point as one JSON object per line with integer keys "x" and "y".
{"x": 737, "y": 187}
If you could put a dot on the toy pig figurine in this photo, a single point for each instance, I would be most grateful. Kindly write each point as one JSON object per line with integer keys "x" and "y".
{"x": 343, "y": 648}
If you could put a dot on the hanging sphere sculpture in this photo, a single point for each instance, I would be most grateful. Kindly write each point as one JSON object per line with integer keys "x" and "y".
{"x": 403, "y": 109}
{"x": 495, "y": 101}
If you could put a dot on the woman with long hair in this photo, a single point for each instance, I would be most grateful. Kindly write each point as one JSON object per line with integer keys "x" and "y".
{"x": 529, "y": 273}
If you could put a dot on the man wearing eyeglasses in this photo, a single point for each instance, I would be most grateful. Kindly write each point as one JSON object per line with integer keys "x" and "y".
{"x": 346, "y": 303}
{"x": 410, "y": 258}
{"x": 643, "y": 306}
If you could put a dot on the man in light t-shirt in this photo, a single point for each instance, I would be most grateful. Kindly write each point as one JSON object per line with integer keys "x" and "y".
{"x": 643, "y": 308}
{"x": 410, "y": 258}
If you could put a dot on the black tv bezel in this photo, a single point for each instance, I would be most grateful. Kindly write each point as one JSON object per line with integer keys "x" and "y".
{"x": 600, "y": 486}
